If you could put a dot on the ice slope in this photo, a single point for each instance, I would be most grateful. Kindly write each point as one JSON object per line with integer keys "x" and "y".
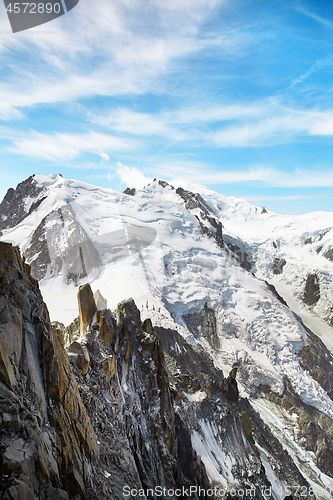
{"x": 302, "y": 240}
{"x": 183, "y": 269}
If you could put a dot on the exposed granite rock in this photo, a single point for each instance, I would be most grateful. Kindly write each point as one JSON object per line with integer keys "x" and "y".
{"x": 283, "y": 465}
{"x": 132, "y": 409}
{"x": 276, "y": 293}
{"x": 87, "y": 307}
{"x": 47, "y": 442}
{"x": 315, "y": 429}
{"x": 194, "y": 200}
{"x": 79, "y": 354}
{"x": 164, "y": 184}
{"x": 311, "y": 290}
{"x": 329, "y": 254}
{"x": 100, "y": 301}
{"x": 21, "y": 202}
{"x": 147, "y": 394}
{"x": 61, "y": 245}
{"x": 278, "y": 265}
{"x": 230, "y": 385}
{"x": 203, "y": 323}
{"x": 129, "y": 191}
{"x": 107, "y": 326}
{"x": 318, "y": 360}
{"x": 240, "y": 255}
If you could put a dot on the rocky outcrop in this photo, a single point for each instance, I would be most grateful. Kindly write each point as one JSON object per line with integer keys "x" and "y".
{"x": 317, "y": 359}
{"x": 100, "y": 301}
{"x": 47, "y": 442}
{"x": 312, "y": 428}
{"x": 87, "y": 307}
{"x": 239, "y": 254}
{"x": 275, "y": 292}
{"x": 194, "y": 200}
{"x": 230, "y": 386}
{"x": 60, "y": 245}
{"x": 129, "y": 191}
{"x": 132, "y": 408}
{"x": 311, "y": 290}
{"x": 329, "y": 255}
{"x": 278, "y": 265}
{"x": 203, "y": 323}
{"x": 21, "y": 202}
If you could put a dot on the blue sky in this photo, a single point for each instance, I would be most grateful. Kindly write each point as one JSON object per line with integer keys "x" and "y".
{"x": 236, "y": 95}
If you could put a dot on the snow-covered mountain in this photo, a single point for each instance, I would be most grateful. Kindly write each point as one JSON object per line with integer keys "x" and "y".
{"x": 221, "y": 272}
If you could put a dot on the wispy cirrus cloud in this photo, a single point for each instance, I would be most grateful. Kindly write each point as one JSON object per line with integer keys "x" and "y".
{"x": 327, "y": 23}
{"x": 67, "y": 146}
{"x": 74, "y": 60}
{"x": 249, "y": 125}
{"x": 260, "y": 175}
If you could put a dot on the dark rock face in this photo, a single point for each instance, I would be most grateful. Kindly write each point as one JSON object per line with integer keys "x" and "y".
{"x": 203, "y": 323}
{"x": 131, "y": 406}
{"x": 193, "y": 200}
{"x": 47, "y": 442}
{"x": 315, "y": 429}
{"x": 61, "y": 245}
{"x": 240, "y": 255}
{"x": 329, "y": 254}
{"x": 276, "y": 293}
{"x": 265, "y": 438}
{"x": 278, "y": 265}
{"x": 129, "y": 191}
{"x": 19, "y": 203}
{"x": 312, "y": 290}
{"x": 318, "y": 360}
{"x": 230, "y": 385}
{"x": 87, "y": 307}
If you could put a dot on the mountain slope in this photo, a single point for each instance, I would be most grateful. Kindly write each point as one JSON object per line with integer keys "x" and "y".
{"x": 184, "y": 254}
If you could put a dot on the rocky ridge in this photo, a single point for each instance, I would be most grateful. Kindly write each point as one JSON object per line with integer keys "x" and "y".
{"x": 47, "y": 441}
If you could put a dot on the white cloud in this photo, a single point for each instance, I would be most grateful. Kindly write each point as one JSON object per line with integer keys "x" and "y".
{"x": 249, "y": 125}
{"x": 133, "y": 52}
{"x": 321, "y": 20}
{"x": 131, "y": 122}
{"x": 131, "y": 177}
{"x": 104, "y": 156}
{"x": 67, "y": 146}
{"x": 203, "y": 173}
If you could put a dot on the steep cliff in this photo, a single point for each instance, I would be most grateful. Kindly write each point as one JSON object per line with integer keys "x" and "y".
{"x": 47, "y": 440}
